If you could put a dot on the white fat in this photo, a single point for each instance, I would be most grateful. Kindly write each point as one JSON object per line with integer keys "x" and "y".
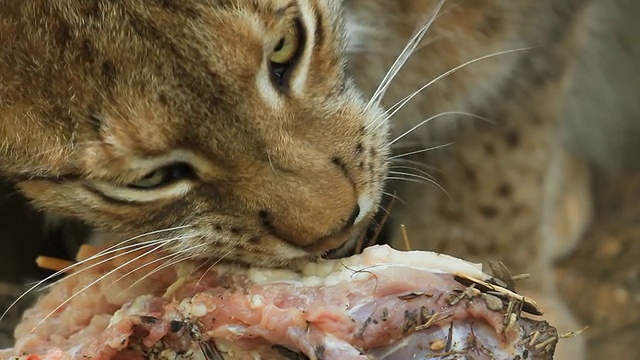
{"x": 323, "y": 268}
{"x": 268, "y": 276}
{"x": 117, "y": 317}
{"x": 313, "y": 281}
{"x": 375, "y": 256}
{"x": 257, "y": 301}
{"x": 332, "y": 272}
{"x": 199, "y": 310}
{"x": 237, "y": 329}
{"x": 188, "y": 309}
{"x": 138, "y": 306}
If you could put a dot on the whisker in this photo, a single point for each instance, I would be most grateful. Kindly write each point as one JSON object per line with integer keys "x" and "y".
{"x": 407, "y": 144}
{"x": 418, "y": 181}
{"x": 386, "y": 51}
{"x": 273, "y": 169}
{"x": 436, "y": 147}
{"x": 117, "y": 247}
{"x": 423, "y": 122}
{"x": 152, "y": 262}
{"x": 130, "y": 249}
{"x": 171, "y": 260}
{"x": 380, "y": 207}
{"x": 410, "y": 175}
{"x": 415, "y": 163}
{"x": 398, "y": 178}
{"x": 102, "y": 253}
{"x": 70, "y": 298}
{"x": 111, "y": 249}
{"x": 380, "y": 225}
{"x": 203, "y": 264}
{"x": 403, "y": 57}
{"x": 400, "y": 104}
{"x": 214, "y": 264}
{"x": 167, "y": 258}
{"x": 393, "y": 196}
{"x": 421, "y": 172}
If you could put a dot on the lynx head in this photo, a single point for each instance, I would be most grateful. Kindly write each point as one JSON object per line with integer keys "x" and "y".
{"x": 231, "y": 122}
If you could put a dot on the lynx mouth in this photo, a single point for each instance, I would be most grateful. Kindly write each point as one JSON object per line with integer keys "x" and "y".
{"x": 346, "y": 241}
{"x": 351, "y": 240}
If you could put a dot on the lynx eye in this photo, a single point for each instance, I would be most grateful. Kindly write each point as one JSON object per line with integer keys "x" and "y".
{"x": 286, "y": 52}
{"x": 287, "y": 47}
{"x": 163, "y": 176}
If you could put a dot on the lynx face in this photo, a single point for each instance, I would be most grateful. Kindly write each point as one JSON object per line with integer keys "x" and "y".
{"x": 226, "y": 128}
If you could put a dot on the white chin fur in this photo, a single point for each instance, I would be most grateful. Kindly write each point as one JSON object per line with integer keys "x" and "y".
{"x": 366, "y": 205}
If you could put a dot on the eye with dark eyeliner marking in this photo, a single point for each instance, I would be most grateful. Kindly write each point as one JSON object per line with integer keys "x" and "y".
{"x": 163, "y": 176}
{"x": 286, "y": 53}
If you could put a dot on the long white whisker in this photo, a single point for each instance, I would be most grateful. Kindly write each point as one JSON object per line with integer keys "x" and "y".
{"x": 411, "y": 175}
{"x": 423, "y": 122}
{"x": 66, "y": 301}
{"x": 107, "y": 251}
{"x": 417, "y": 181}
{"x": 214, "y": 264}
{"x": 130, "y": 249}
{"x": 407, "y": 144}
{"x": 380, "y": 207}
{"x": 393, "y": 196}
{"x": 403, "y": 57}
{"x": 415, "y": 163}
{"x": 423, "y": 173}
{"x": 400, "y": 104}
{"x": 395, "y": 157}
{"x": 398, "y": 178}
{"x": 152, "y": 262}
{"x": 115, "y": 248}
{"x": 172, "y": 259}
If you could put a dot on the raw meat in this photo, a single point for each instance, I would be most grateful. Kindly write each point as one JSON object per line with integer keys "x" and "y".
{"x": 382, "y": 304}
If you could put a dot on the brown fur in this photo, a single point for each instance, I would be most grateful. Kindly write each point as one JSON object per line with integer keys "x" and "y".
{"x": 92, "y": 93}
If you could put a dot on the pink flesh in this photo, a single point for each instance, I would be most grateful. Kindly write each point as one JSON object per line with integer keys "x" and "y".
{"x": 371, "y": 314}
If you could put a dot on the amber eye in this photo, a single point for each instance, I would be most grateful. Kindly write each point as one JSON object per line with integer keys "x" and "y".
{"x": 286, "y": 52}
{"x": 287, "y": 47}
{"x": 162, "y": 177}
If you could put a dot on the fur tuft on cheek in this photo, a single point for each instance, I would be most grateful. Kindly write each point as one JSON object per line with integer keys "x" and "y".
{"x": 52, "y": 196}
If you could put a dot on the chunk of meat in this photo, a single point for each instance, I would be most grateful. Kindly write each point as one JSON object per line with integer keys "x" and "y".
{"x": 382, "y": 304}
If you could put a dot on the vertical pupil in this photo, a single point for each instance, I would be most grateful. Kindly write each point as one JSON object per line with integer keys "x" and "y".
{"x": 280, "y": 45}
{"x": 177, "y": 172}
{"x": 150, "y": 175}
